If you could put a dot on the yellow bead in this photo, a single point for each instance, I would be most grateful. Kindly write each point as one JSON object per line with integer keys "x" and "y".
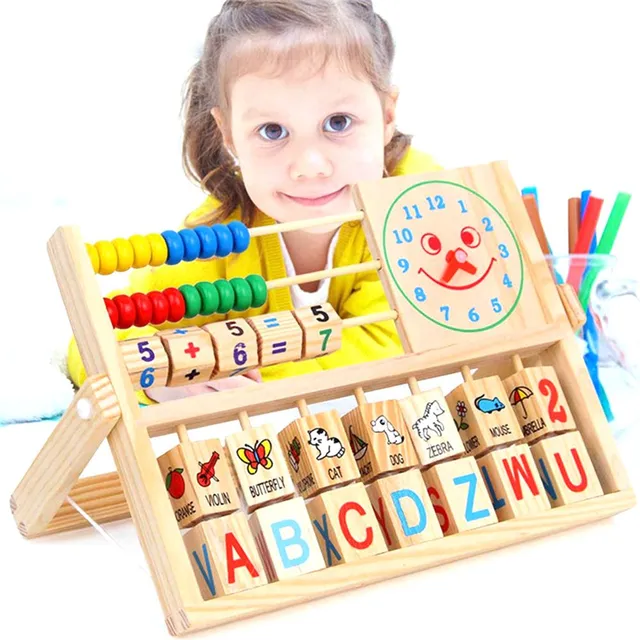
{"x": 141, "y": 251}
{"x": 93, "y": 255}
{"x": 108, "y": 257}
{"x": 159, "y": 251}
{"x": 125, "y": 254}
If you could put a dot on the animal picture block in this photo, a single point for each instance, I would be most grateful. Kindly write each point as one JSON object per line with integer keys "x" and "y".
{"x": 279, "y": 337}
{"x": 191, "y": 356}
{"x": 431, "y": 427}
{"x": 235, "y": 345}
{"x": 403, "y": 509}
{"x": 345, "y": 524}
{"x": 378, "y": 439}
{"x": 318, "y": 453}
{"x": 322, "y": 330}
{"x": 146, "y": 361}
{"x": 513, "y": 482}
{"x": 260, "y": 466}
{"x": 224, "y": 556}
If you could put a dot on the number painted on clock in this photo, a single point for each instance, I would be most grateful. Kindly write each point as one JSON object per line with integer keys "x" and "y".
{"x": 437, "y": 202}
{"x": 487, "y": 224}
{"x": 504, "y": 252}
{"x": 421, "y": 296}
{"x": 445, "y": 310}
{"x": 506, "y": 281}
{"x": 407, "y": 236}
{"x": 326, "y": 333}
{"x": 474, "y": 316}
{"x": 463, "y": 209}
{"x": 495, "y": 305}
{"x": 416, "y": 212}
{"x": 403, "y": 263}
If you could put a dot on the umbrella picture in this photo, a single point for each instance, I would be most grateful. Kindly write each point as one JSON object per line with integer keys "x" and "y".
{"x": 519, "y": 395}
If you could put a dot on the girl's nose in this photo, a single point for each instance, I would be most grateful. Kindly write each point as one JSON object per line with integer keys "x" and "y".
{"x": 311, "y": 163}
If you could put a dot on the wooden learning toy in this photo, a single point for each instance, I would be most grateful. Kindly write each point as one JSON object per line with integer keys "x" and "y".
{"x": 278, "y": 514}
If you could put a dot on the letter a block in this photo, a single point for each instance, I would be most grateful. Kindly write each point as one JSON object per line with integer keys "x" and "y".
{"x": 345, "y": 524}
{"x": 459, "y": 495}
{"x": 224, "y": 556}
{"x": 566, "y": 469}
{"x": 286, "y": 539}
{"x": 513, "y": 482}
{"x": 404, "y": 510}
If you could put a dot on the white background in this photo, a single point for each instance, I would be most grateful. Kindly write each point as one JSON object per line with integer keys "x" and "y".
{"x": 90, "y": 135}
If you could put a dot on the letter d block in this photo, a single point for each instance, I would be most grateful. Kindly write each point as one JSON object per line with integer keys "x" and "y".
{"x": 224, "y": 556}
{"x": 286, "y": 539}
{"x": 346, "y": 525}
{"x": 459, "y": 495}
{"x": 566, "y": 469}
{"x": 403, "y": 509}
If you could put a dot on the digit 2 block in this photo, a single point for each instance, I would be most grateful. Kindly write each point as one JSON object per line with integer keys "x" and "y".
{"x": 279, "y": 337}
{"x": 322, "y": 330}
{"x": 235, "y": 345}
{"x": 146, "y": 361}
{"x": 191, "y": 356}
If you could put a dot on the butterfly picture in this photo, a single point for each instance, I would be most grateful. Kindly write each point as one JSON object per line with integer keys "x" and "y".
{"x": 257, "y": 455}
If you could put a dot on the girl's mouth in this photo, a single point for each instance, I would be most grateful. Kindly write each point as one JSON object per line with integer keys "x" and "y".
{"x": 315, "y": 202}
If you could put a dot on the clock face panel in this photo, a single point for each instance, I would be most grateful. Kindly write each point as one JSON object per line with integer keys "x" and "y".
{"x": 453, "y": 256}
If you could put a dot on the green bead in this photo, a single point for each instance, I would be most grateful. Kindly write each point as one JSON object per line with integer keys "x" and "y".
{"x": 192, "y": 300}
{"x": 258, "y": 288}
{"x": 243, "y": 294}
{"x": 210, "y": 298}
{"x": 227, "y": 295}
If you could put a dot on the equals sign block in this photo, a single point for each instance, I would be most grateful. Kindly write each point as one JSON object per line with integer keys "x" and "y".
{"x": 280, "y": 337}
{"x": 271, "y": 323}
{"x": 279, "y": 347}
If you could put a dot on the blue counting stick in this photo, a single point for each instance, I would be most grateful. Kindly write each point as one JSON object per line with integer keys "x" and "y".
{"x": 533, "y": 191}
{"x": 175, "y": 247}
{"x": 191, "y": 243}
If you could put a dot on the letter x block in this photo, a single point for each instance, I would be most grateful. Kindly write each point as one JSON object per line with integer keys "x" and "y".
{"x": 279, "y": 337}
{"x": 191, "y": 356}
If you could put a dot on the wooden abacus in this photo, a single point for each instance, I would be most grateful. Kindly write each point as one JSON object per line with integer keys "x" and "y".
{"x": 519, "y": 450}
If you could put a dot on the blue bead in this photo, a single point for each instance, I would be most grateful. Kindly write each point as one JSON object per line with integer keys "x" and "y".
{"x": 225, "y": 240}
{"x": 208, "y": 241}
{"x": 191, "y": 243}
{"x": 240, "y": 235}
{"x": 174, "y": 245}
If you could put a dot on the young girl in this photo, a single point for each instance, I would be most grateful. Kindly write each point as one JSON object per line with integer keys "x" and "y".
{"x": 289, "y": 105}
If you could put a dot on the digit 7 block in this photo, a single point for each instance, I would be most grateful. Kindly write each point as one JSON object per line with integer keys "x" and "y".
{"x": 322, "y": 330}
{"x": 279, "y": 337}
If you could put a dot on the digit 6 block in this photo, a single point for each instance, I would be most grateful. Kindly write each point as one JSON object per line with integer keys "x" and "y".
{"x": 235, "y": 345}
{"x": 191, "y": 356}
{"x": 146, "y": 361}
{"x": 322, "y": 330}
{"x": 279, "y": 337}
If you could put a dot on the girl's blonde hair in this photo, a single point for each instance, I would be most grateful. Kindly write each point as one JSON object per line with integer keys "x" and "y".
{"x": 246, "y": 35}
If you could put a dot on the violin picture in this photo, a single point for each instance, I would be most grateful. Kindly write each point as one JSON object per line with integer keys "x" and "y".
{"x": 208, "y": 470}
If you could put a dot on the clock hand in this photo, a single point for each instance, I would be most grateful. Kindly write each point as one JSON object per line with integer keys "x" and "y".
{"x": 457, "y": 259}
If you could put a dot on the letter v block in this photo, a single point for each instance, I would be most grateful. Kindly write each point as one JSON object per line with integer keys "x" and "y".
{"x": 459, "y": 495}
{"x": 513, "y": 482}
{"x": 345, "y": 524}
{"x": 566, "y": 469}
{"x": 403, "y": 509}
{"x": 286, "y": 539}
{"x": 224, "y": 556}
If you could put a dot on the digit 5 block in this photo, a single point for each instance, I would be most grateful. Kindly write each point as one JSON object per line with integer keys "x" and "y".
{"x": 235, "y": 345}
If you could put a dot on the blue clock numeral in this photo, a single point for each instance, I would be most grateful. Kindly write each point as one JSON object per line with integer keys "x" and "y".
{"x": 421, "y": 296}
{"x": 445, "y": 310}
{"x": 463, "y": 209}
{"x": 506, "y": 281}
{"x": 403, "y": 263}
{"x": 487, "y": 224}
{"x": 495, "y": 303}
{"x": 407, "y": 236}
{"x": 416, "y": 212}
{"x": 474, "y": 316}
{"x": 439, "y": 202}
{"x": 504, "y": 252}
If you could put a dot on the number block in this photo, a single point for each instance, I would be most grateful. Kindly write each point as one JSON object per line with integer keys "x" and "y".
{"x": 285, "y": 538}
{"x": 486, "y": 417}
{"x": 318, "y": 453}
{"x": 279, "y": 337}
{"x": 539, "y": 403}
{"x": 432, "y": 429}
{"x": 378, "y": 439}
{"x": 322, "y": 330}
{"x": 191, "y": 356}
{"x": 224, "y": 556}
{"x": 146, "y": 361}
{"x": 459, "y": 495}
{"x": 566, "y": 469}
{"x": 235, "y": 345}
{"x": 260, "y": 466}
{"x": 513, "y": 482}
{"x": 345, "y": 525}
{"x": 403, "y": 509}
{"x": 199, "y": 481}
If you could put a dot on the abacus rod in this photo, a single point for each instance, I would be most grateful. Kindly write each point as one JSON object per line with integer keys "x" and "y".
{"x": 356, "y": 321}
{"x": 373, "y": 265}
{"x": 183, "y": 435}
{"x": 283, "y": 227}
{"x": 517, "y": 362}
{"x": 243, "y": 417}
{"x": 360, "y": 397}
{"x": 303, "y": 408}
{"x": 413, "y": 385}
{"x": 466, "y": 373}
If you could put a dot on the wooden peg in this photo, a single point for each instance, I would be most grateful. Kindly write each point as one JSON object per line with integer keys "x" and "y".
{"x": 191, "y": 355}
{"x": 466, "y": 374}
{"x": 183, "y": 434}
{"x": 321, "y": 330}
{"x": 360, "y": 397}
{"x": 517, "y": 363}
{"x": 303, "y": 407}
{"x": 243, "y": 417}
{"x": 413, "y": 386}
{"x": 235, "y": 345}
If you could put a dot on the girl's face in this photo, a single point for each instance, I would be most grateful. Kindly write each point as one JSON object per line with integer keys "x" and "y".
{"x": 301, "y": 139}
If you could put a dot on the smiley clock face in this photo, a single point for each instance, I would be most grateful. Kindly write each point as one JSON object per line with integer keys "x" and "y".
{"x": 453, "y": 256}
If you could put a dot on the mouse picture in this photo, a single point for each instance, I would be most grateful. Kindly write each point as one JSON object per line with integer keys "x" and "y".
{"x": 487, "y": 405}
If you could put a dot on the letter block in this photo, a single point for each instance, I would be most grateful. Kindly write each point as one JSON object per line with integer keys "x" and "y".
{"x": 146, "y": 361}
{"x": 321, "y": 330}
{"x": 513, "y": 482}
{"x": 378, "y": 439}
{"x": 432, "y": 428}
{"x": 224, "y": 556}
{"x": 235, "y": 345}
{"x": 318, "y": 453}
{"x": 260, "y": 467}
{"x": 286, "y": 540}
{"x": 483, "y": 415}
{"x": 566, "y": 469}
{"x": 459, "y": 495}
{"x": 199, "y": 481}
{"x": 191, "y": 357}
{"x": 345, "y": 524}
{"x": 403, "y": 509}
{"x": 279, "y": 337}
{"x": 539, "y": 403}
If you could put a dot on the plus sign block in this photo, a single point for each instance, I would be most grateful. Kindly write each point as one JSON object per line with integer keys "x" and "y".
{"x": 191, "y": 355}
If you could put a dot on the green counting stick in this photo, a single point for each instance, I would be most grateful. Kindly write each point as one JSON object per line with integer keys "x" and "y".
{"x": 606, "y": 244}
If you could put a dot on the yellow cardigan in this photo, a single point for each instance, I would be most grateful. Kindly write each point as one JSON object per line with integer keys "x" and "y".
{"x": 350, "y": 295}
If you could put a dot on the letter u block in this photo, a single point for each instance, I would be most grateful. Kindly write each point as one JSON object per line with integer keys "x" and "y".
{"x": 224, "y": 556}
{"x": 513, "y": 482}
{"x": 286, "y": 539}
{"x": 345, "y": 524}
{"x": 403, "y": 509}
{"x": 566, "y": 469}
{"x": 459, "y": 495}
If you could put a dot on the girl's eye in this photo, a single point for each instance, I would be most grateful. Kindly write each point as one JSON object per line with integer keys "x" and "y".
{"x": 337, "y": 123}
{"x": 272, "y": 131}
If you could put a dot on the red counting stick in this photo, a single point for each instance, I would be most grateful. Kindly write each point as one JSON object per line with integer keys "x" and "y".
{"x": 583, "y": 242}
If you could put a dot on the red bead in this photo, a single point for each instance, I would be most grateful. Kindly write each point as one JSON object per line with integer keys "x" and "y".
{"x": 177, "y": 306}
{"x": 160, "y": 307}
{"x": 126, "y": 311}
{"x": 144, "y": 309}
{"x": 112, "y": 310}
